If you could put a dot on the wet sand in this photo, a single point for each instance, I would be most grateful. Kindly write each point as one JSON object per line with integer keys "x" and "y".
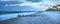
{"x": 30, "y": 20}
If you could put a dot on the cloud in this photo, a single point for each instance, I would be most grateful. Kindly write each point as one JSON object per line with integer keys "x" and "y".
{"x": 5, "y": 0}
{"x": 34, "y": 5}
{"x": 38, "y": 4}
{"x": 34, "y": 0}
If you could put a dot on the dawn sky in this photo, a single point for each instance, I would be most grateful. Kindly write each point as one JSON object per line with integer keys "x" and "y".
{"x": 36, "y": 4}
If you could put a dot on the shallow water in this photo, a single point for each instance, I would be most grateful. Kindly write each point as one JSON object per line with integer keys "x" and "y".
{"x": 41, "y": 18}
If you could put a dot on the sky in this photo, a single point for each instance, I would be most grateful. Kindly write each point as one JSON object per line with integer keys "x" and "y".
{"x": 39, "y": 5}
